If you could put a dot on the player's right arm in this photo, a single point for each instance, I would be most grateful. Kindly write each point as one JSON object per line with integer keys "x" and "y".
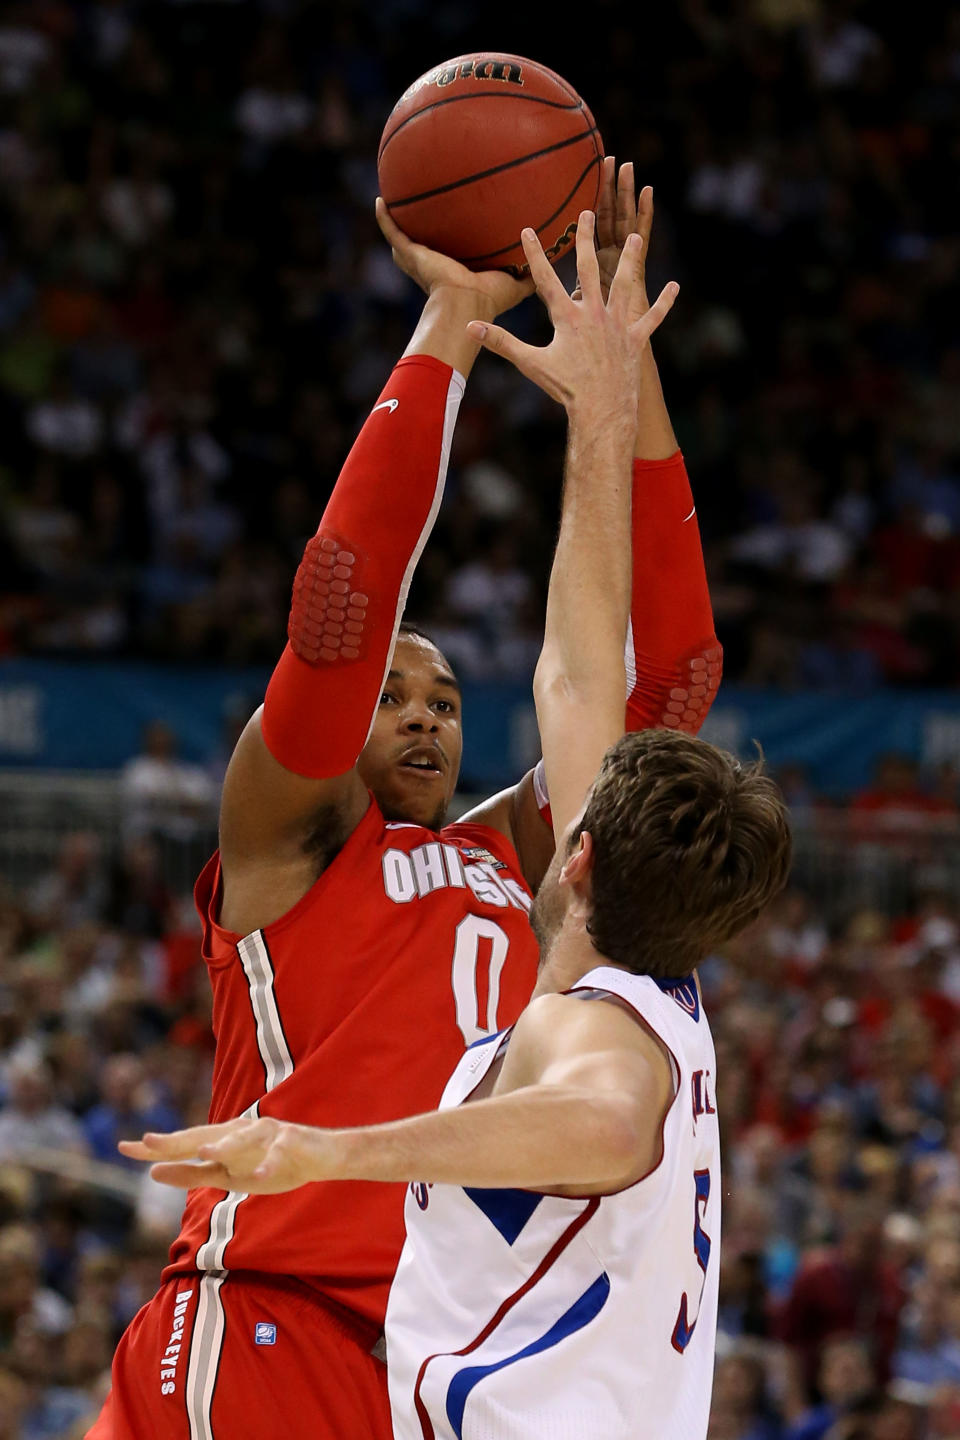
{"x": 292, "y": 793}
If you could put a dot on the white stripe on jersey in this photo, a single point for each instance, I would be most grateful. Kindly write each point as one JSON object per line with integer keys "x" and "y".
{"x": 630, "y": 659}
{"x": 277, "y": 1066}
{"x": 206, "y": 1343}
{"x": 223, "y": 1218}
{"x": 454, "y": 395}
{"x": 271, "y": 1041}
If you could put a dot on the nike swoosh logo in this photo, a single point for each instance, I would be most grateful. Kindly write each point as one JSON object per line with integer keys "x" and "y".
{"x": 390, "y": 405}
{"x": 685, "y": 518}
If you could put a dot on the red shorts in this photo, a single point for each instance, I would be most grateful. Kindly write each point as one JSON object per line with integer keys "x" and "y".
{"x": 219, "y": 1357}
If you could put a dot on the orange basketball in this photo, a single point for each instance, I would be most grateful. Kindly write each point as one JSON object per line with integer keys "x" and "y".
{"x": 482, "y": 146}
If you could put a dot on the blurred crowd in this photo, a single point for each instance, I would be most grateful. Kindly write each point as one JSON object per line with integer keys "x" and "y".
{"x": 196, "y": 309}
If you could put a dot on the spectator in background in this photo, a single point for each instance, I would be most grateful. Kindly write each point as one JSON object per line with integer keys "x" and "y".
{"x": 846, "y": 1288}
{"x": 31, "y": 1116}
{"x": 140, "y": 900}
{"x": 846, "y": 1385}
{"x": 928, "y": 1346}
{"x": 162, "y": 794}
{"x": 741, "y": 1408}
{"x": 65, "y": 423}
{"x": 896, "y": 801}
{"x": 24, "y": 1300}
{"x": 75, "y": 890}
{"x": 127, "y": 1107}
{"x": 491, "y": 592}
{"x": 13, "y": 1404}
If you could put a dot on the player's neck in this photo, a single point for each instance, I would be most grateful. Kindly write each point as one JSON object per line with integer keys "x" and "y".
{"x": 571, "y": 956}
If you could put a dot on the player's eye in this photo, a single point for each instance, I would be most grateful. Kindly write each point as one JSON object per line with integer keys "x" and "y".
{"x": 445, "y": 706}
{"x": 387, "y": 699}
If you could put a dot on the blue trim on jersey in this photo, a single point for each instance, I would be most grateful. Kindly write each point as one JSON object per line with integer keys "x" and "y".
{"x": 507, "y": 1210}
{"x": 682, "y": 990}
{"x": 579, "y": 1315}
{"x": 485, "y": 1039}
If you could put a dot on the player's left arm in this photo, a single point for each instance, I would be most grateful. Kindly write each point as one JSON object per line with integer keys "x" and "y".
{"x": 674, "y": 660}
{"x": 671, "y": 656}
{"x": 579, "y": 1109}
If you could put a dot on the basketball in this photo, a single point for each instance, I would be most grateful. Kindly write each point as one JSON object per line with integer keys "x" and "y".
{"x": 482, "y": 146}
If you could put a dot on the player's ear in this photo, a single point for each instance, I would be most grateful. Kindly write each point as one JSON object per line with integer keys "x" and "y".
{"x": 578, "y": 867}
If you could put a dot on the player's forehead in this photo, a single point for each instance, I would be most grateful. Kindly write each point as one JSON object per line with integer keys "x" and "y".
{"x": 417, "y": 659}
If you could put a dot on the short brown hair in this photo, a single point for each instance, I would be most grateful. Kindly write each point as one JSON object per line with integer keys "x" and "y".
{"x": 689, "y": 847}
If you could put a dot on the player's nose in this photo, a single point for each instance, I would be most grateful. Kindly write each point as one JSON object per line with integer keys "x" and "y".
{"x": 416, "y": 718}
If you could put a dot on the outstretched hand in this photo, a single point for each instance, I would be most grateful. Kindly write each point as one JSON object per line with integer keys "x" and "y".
{"x": 590, "y": 365}
{"x": 257, "y": 1156}
{"x": 431, "y": 270}
{"x": 619, "y": 215}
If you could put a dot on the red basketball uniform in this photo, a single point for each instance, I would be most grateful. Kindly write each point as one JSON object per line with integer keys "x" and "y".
{"x": 349, "y": 1010}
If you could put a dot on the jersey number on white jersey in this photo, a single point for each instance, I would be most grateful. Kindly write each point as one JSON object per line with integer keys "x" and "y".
{"x": 684, "y": 1328}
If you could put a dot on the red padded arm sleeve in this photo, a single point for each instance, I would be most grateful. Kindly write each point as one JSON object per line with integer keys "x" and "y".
{"x": 352, "y": 584}
{"x": 673, "y": 658}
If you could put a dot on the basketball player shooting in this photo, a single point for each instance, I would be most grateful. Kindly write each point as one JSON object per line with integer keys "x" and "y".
{"x": 353, "y": 946}
{"x": 560, "y": 1274}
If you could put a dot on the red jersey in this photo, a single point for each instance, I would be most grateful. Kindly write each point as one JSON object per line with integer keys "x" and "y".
{"x": 353, "y": 1009}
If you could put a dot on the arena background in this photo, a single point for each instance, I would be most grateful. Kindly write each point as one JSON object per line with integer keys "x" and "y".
{"x": 196, "y": 310}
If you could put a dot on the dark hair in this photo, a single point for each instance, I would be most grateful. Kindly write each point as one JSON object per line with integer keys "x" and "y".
{"x": 690, "y": 845}
{"x": 408, "y": 628}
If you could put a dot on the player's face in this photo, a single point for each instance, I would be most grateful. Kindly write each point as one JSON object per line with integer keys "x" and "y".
{"x": 553, "y": 896}
{"x": 412, "y": 758}
{"x": 549, "y": 906}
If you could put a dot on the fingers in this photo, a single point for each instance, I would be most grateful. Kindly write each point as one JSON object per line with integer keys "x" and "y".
{"x": 277, "y": 1155}
{"x": 178, "y": 1145}
{"x": 544, "y": 276}
{"x": 531, "y": 361}
{"x": 626, "y": 223}
{"x": 588, "y": 268}
{"x": 403, "y": 249}
{"x": 185, "y": 1175}
{"x": 621, "y": 295}
{"x": 135, "y": 1150}
{"x": 389, "y": 229}
{"x": 501, "y": 342}
{"x": 607, "y": 203}
{"x": 645, "y": 215}
{"x": 643, "y": 328}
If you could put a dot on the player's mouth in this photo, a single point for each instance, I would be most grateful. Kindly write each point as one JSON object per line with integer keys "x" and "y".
{"x": 424, "y": 760}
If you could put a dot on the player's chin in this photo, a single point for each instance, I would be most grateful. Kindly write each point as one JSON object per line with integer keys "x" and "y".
{"x": 419, "y": 799}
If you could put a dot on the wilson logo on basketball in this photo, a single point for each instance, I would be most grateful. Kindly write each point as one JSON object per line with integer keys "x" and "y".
{"x": 481, "y": 70}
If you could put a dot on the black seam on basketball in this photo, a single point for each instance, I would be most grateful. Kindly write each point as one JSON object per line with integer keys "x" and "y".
{"x": 491, "y": 254}
{"x": 481, "y": 95}
{"x": 495, "y": 170}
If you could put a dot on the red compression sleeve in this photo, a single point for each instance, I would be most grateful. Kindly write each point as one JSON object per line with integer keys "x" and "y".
{"x": 352, "y": 584}
{"x": 673, "y": 658}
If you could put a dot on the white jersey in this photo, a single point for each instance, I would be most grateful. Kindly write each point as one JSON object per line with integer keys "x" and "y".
{"x": 520, "y": 1316}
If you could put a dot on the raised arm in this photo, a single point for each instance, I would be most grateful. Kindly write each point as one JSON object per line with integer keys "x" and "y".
{"x": 292, "y": 790}
{"x": 673, "y": 659}
{"x": 671, "y": 662}
{"x": 591, "y": 367}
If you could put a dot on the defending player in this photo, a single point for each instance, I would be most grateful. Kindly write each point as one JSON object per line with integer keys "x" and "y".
{"x": 560, "y": 1273}
{"x": 353, "y": 949}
